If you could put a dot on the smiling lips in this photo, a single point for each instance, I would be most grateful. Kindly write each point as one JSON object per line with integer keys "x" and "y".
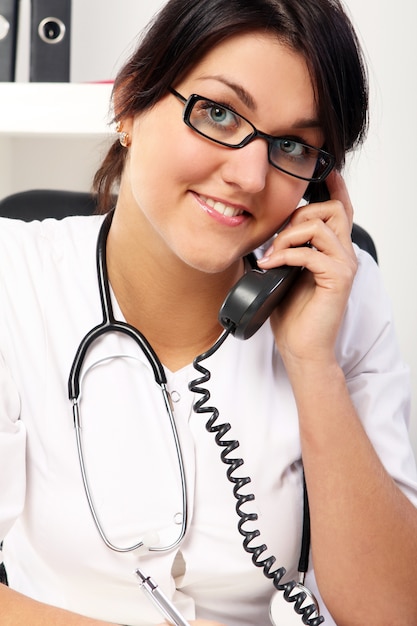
{"x": 220, "y": 207}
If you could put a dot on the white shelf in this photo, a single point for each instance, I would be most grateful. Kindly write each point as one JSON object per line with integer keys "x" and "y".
{"x": 52, "y": 135}
{"x": 54, "y": 109}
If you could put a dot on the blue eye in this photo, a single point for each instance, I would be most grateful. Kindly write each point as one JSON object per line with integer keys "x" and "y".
{"x": 221, "y": 115}
{"x": 218, "y": 114}
{"x": 292, "y": 148}
{"x": 218, "y": 122}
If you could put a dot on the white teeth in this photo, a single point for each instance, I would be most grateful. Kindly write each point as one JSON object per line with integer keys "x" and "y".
{"x": 221, "y": 208}
{"x": 229, "y": 212}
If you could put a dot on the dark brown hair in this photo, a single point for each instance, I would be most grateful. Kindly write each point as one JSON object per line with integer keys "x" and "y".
{"x": 185, "y": 30}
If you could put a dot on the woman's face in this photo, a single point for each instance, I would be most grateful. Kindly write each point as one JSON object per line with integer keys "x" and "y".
{"x": 205, "y": 204}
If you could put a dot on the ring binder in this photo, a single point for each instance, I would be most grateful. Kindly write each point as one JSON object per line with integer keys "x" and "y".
{"x": 8, "y": 39}
{"x": 50, "y": 41}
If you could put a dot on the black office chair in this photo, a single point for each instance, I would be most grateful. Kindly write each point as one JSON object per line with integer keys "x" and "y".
{"x": 363, "y": 239}
{"x": 38, "y": 204}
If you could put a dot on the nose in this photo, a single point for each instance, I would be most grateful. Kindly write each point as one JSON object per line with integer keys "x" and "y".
{"x": 247, "y": 167}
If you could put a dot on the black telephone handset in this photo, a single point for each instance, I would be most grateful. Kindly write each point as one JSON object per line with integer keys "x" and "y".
{"x": 253, "y": 298}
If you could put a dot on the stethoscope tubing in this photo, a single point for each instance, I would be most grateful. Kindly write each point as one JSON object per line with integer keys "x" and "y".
{"x": 110, "y": 324}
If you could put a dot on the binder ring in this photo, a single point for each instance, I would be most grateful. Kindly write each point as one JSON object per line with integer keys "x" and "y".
{"x": 4, "y": 27}
{"x": 51, "y": 30}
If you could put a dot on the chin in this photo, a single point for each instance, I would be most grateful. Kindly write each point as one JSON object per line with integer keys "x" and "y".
{"x": 212, "y": 265}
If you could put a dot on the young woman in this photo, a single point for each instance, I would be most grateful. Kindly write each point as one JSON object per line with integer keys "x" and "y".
{"x": 230, "y": 117}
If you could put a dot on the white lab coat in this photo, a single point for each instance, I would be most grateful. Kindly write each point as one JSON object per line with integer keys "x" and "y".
{"x": 52, "y": 550}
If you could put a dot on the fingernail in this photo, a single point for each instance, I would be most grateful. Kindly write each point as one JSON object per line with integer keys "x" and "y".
{"x": 264, "y": 259}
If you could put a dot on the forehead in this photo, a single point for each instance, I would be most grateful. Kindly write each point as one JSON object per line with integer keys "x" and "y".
{"x": 275, "y": 76}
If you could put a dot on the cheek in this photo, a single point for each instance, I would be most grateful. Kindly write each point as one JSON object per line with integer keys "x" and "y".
{"x": 166, "y": 157}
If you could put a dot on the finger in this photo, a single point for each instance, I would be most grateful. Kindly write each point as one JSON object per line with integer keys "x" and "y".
{"x": 329, "y": 212}
{"x": 337, "y": 212}
{"x": 329, "y": 264}
{"x": 289, "y": 246}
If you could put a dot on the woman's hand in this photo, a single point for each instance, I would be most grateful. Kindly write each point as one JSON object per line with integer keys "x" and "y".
{"x": 306, "y": 323}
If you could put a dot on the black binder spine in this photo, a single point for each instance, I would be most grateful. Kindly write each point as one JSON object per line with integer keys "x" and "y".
{"x": 8, "y": 39}
{"x": 50, "y": 41}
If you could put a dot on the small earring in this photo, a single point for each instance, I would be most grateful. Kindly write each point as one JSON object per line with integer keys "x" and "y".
{"x": 124, "y": 139}
{"x": 123, "y": 136}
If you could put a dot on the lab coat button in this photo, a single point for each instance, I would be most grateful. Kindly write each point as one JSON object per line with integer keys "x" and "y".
{"x": 178, "y": 518}
{"x": 175, "y": 396}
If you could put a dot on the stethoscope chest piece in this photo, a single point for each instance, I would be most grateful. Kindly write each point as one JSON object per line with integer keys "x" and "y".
{"x": 283, "y": 613}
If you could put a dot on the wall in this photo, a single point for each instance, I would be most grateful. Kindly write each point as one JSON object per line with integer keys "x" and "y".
{"x": 382, "y": 178}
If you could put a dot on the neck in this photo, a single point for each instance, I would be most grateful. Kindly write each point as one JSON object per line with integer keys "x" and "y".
{"x": 173, "y": 305}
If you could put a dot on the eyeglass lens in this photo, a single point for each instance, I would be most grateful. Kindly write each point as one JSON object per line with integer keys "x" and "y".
{"x": 225, "y": 126}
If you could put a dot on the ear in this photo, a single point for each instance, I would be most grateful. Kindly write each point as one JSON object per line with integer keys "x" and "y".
{"x": 121, "y": 97}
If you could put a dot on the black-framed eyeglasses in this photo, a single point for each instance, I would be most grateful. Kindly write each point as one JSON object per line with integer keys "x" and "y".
{"x": 224, "y": 126}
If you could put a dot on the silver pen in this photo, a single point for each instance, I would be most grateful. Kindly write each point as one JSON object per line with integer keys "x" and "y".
{"x": 160, "y": 600}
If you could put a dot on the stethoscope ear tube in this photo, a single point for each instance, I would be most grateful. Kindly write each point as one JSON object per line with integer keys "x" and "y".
{"x": 109, "y": 323}
{"x": 306, "y": 536}
{"x": 75, "y": 372}
{"x": 106, "y": 308}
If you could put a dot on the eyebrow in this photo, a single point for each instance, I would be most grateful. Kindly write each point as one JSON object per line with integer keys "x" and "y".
{"x": 246, "y": 98}
{"x": 242, "y": 94}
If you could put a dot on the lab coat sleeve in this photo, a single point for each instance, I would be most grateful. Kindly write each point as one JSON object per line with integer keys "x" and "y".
{"x": 377, "y": 378}
{"x": 12, "y": 453}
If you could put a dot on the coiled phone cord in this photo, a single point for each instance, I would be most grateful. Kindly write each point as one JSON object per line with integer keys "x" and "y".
{"x": 228, "y": 446}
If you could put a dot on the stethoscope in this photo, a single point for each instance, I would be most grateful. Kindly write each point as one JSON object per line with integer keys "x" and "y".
{"x": 109, "y": 324}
